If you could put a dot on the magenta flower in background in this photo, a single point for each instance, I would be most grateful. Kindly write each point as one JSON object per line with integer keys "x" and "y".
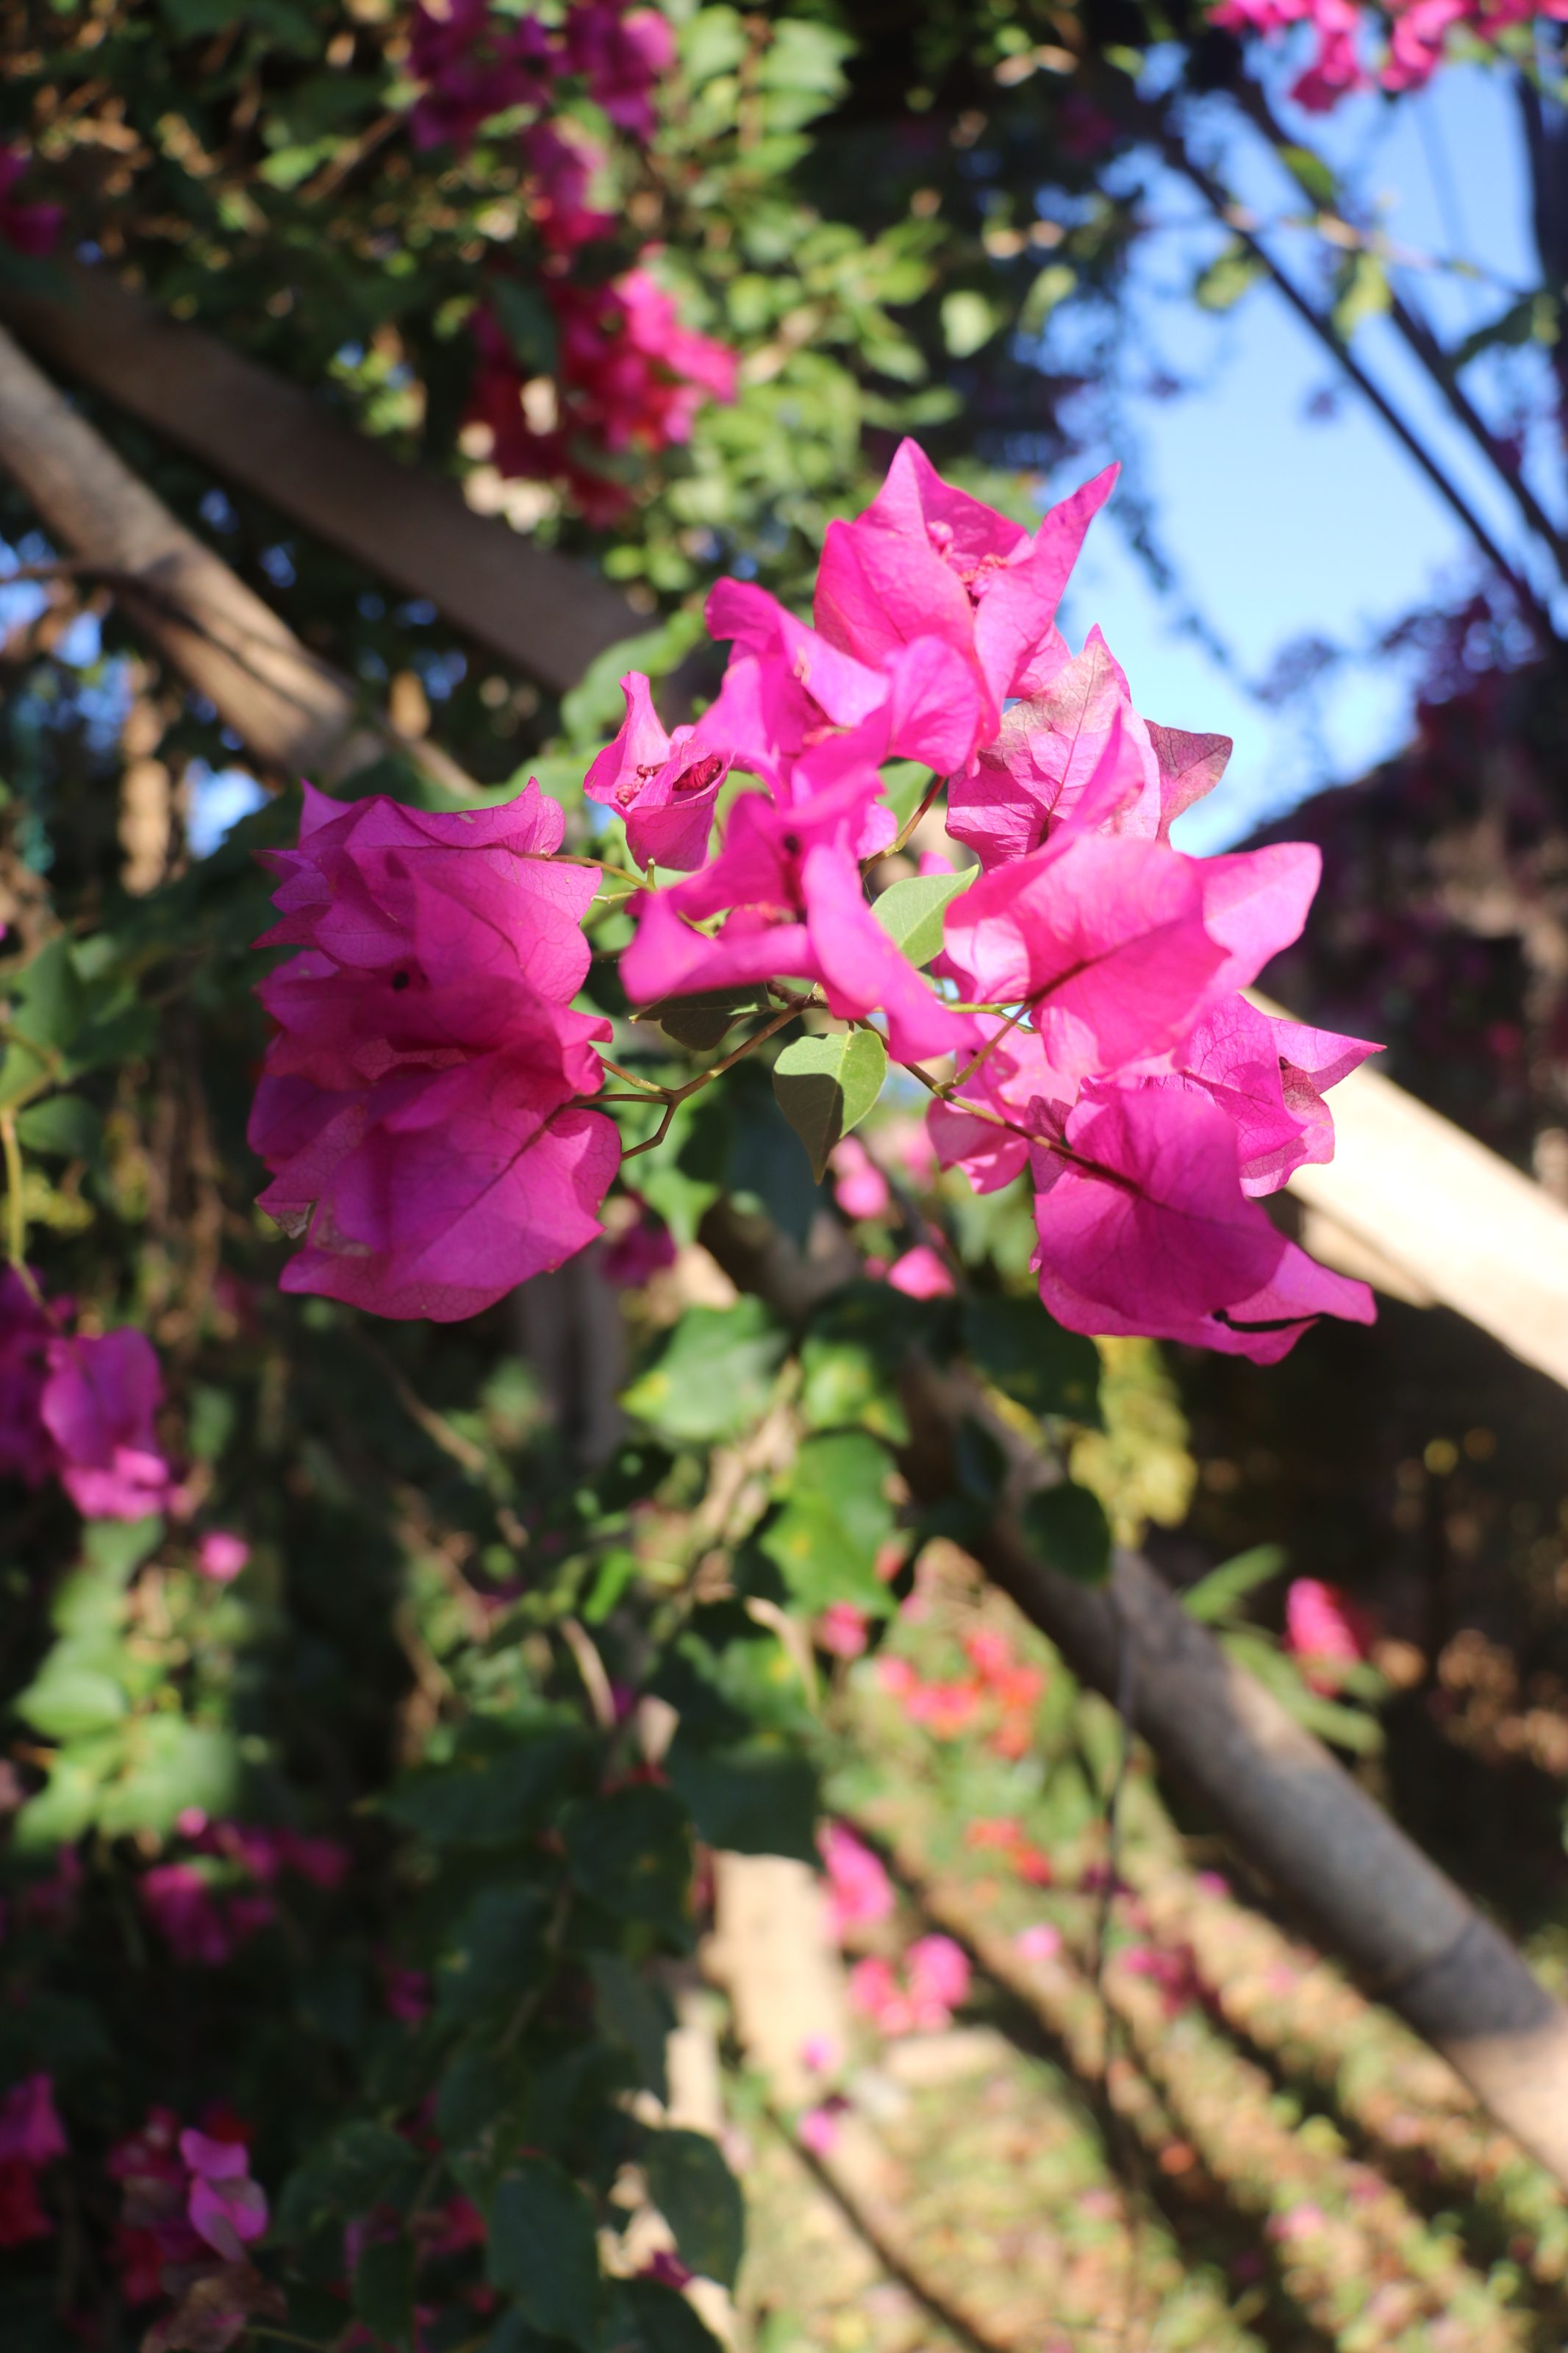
{"x": 1325, "y": 1630}
{"x": 474, "y": 63}
{"x": 30, "y": 2128}
{"x": 640, "y": 1249}
{"x": 859, "y": 1187}
{"x": 99, "y": 1403}
{"x": 859, "y": 1892}
{"x": 561, "y": 162}
{"x": 224, "y": 2206}
{"x": 621, "y": 54}
{"x": 26, "y": 1450}
{"x": 920, "y": 1273}
{"x": 842, "y": 1630}
{"x": 939, "y": 1975}
{"x": 32, "y": 229}
{"x": 221, "y": 1555}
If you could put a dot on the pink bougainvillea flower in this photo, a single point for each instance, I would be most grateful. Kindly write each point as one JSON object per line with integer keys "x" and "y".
{"x": 664, "y": 786}
{"x": 920, "y": 693}
{"x": 1325, "y": 1630}
{"x": 27, "y": 1452}
{"x": 1039, "y": 1942}
{"x": 875, "y": 1992}
{"x": 789, "y": 877}
{"x": 842, "y": 1630}
{"x": 224, "y": 2206}
{"x": 1110, "y": 941}
{"x": 1145, "y": 1229}
{"x": 474, "y": 63}
{"x": 641, "y": 1248}
{"x": 925, "y": 560}
{"x": 859, "y": 1892}
{"x": 621, "y": 54}
{"x": 418, "y": 1104}
{"x": 221, "y": 1554}
{"x": 859, "y": 1187}
{"x": 30, "y": 2130}
{"x": 198, "y": 1927}
{"x": 32, "y": 229}
{"x": 154, "y": 2228}
{"x": 819, "y": 2127}
{"x": 561, "y": 162}
{"x": 1268, "y": 1077}
{"x": 1077, "y": 750}
{"x": 939, "y": 1975}
{"x": 920, "y": 1273}
{"x": 98, "y": 1405}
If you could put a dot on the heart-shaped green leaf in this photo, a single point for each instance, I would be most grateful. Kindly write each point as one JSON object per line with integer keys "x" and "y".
{"x": 826, "y": 1085}
{"x": 910, "y": 911}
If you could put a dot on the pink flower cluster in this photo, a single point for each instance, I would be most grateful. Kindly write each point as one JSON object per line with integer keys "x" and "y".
{"x": 629, "y": 377}
{"x": 1001, "y": 1691}
{"x": 187, "y": 2198}
{"x": 206, "y": 1924}
{"x": 859, "y": 1893}
{"x": 419, "y": 1102}
{"x": 474, "y": 63}
{"x": 934, "y": 1982}
{"x": 1417, "y": 32}
{"x": 79, "y": 1409}
{"x": 1326, "y": 1630}
{"x": 31, "y": 2137}
{"x": 1122, "y": 1068}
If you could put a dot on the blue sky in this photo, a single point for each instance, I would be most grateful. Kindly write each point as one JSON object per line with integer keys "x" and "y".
{"x": 1284, "y": 527}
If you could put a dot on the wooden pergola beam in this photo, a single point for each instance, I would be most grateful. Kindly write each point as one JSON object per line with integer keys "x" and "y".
{"x": 543, "y": 612}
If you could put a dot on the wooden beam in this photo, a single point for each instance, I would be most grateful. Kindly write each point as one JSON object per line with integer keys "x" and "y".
{"x": 295, "y": 714}
{"x": 541, "y": 612}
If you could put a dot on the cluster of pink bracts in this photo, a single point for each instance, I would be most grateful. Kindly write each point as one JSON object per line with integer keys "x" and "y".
{"x": 79, "y": 1409}
{"x": 1417, "y": 32}
{"x": 424, "y": 1103}
{"x": 628, "y": 374}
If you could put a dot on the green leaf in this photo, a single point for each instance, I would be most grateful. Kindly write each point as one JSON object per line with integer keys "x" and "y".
{"x": 714, "y": 1375}
{"x": 836, "y": 1519}
{"x": 699, "y": 2198}
{"x": 66, "y": 1699}
{"x": 172, "y": 1763}
{"x": 499, "y": 1953}
{"x": 665, "y": 2321}
{"x": 826, "y": 1086}
{"x": 1214, "y": 1596}
{"x": 701, "y": 1019}
{"x": 1228, "y": 278}
{"x": 1364, "y": 293}
{"x": 911, "y": 912}
{"x": 506, "y": 1780}
{"x": 632, "y": 1853}
{"x": 64, "y": 1125}
{"x": 1031, "y": 1359}
{"x": 543, "y": 2251}
{"x": 1534, "y": 318}
{"x": 844, "y": 1384}
{"x": 1311, "y": 174}
{"x": 969, "y": 320}
{"x": 364, "y": 2165}
{"x": 52, "y": 999}
{"x": 1068, "y": 1527}
{"x": 383, "y": 2290}
{"x": 751, "y": 1796}
{"x": 634, "y": 2012}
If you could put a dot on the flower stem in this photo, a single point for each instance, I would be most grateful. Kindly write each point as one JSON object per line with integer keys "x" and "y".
{"x": 16, "y": 1212}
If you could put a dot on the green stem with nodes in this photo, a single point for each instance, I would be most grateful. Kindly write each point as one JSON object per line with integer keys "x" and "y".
{"x": 675, "y": 1096}
{"x": 962, "y": 1078}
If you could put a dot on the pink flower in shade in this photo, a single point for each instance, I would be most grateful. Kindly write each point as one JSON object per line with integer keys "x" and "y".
{"x": 859, "y": 1892}
{"x": 561, "y": 162}
{"x": 939, "y": 1974}
{"x": 927, "y": 560}
{"x": 220, "y": 1555}
{"x": 859, "y": 1187}
{"x": 224, "y": 2206}
{"x": 1145, "y": 1229}
{"x": 1326, "y": 1630}
{"x": 790, "y": 878}
{"x": 1039, "y": 1942}
{"x": 640, "y": 1251}
{"x": 818, "y": 2129}
{"x": 98, "y": 1405}
{"x": 621, "y": 53}
{"x": 665, "y": 786}
{"x": 1108, "y": 941}
{"x": 32, "y": 229}
{"x": 404, "y": 1992}
{"x": 842, "y": 1630}
{"x": 26, "y": 1450}
{"x": 920, "y": 1273}
{"x": 182, "y": 1907}
{"x": 418, "y": 1102}
{"x": 31, "y": 2133}
{"x": 667, "y": 2270}
{"x": 474, "y": 63}
{"x": 154, "y": 2228}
